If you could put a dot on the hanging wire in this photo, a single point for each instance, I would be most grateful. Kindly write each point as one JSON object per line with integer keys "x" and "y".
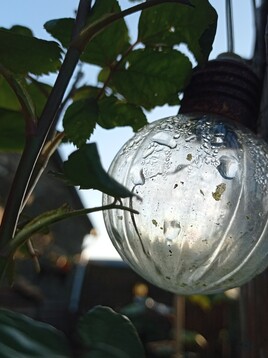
{"x": 229, "y": 26}
{"x": 258, "y": 45}
{"x": 254, "y": 8}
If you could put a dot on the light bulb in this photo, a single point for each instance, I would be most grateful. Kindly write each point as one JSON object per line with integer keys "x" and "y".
{"x": 202, "y": 196}
{"x": 200, "y": 180}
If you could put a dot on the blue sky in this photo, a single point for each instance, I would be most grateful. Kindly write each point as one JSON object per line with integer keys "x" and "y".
{"x": 34, "y": 13}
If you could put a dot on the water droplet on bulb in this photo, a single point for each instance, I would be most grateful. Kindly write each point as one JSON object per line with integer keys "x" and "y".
{"x": 217, "y": 141}
{"x": 190, "y": 138}
{"x": 172, "y": 230}
{"x": 228, "y": 167}
{"x": 148, "y": 152}
{"x": 137, "y": 176}
{"x": 164, "y": 139}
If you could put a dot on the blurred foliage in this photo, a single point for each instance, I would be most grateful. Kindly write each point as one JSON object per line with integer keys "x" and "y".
{"x": 97, "y": 332}
{"x": 21, "y": 336}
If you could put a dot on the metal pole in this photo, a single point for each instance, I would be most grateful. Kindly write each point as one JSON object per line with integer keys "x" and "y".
{"x": 179, "y": 308}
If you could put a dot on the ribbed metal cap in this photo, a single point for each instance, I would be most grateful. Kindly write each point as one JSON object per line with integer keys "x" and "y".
{"x": 226, "y": 86}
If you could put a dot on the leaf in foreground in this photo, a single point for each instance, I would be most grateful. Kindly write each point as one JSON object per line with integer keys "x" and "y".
{"x": 22, "y": 336}
{"x": 23, "y": 54}
{"x": 153, "y": 78}
{"x": 168, "y": 25}
{"x": 38, "y": 91}
{"x": 80, "y": 119}
{"x": 114, "y": 112}
{"x": 61, "y": 29}
{"x": 109, "y": 334}
{"x": 83, "y": 168}
{"x": 12, "y": 130}
{"x": 111, "y": 42}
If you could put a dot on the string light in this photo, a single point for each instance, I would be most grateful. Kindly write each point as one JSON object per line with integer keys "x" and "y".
{"x": 200, "y": 183}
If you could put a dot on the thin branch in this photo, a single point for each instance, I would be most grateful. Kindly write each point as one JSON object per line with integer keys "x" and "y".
{"x": 48, "y": 150}
{"x": 48, "y": 218}
{"x": 51, "y": 146}
{"x": 114, "y": 66}
{"x": 33, "y": 254}
{"x": 83, "y": 11}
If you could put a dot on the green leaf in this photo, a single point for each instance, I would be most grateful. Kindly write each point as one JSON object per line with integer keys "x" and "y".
{"x": 38, "y": 92}
{"x": 80, "y": 120}
{"x": 106, "y": 46}
{"x": 18, "y": 85}
{"x": 117, "y": 113}
{"x": 153, "y": 78}
{"x": 21, "y": 336}
{"x": 12, "y": 130}
{"x": 8, "y": 99}
{"x": 104, "y": 74}
{"x": 83, "y": 168}
{"x": 23, "y": 54}
{"x": 18, "y": 29}
{"x": 60, "y": 29}
{"x": 167, "y": 25}
{"x": 85, "y": 92}
{"x": 109, "y": 334}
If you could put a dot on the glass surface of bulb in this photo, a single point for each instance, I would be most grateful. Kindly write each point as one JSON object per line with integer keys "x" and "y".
{"x": 200, "y": 185}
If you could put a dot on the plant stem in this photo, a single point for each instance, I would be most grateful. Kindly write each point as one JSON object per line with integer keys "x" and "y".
{"x": 113, "y": 67}
{"x": 48, "y": 149}
{"x": 35, "y": 142}
{"x": 27, "y": 106}
{"x": 48, "y": 218}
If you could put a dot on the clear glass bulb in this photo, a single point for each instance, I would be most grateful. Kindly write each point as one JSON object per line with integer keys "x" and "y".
{"x": 202, "y": 197}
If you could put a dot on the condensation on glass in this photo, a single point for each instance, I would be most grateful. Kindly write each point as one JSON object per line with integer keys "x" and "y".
{"x": 200, "y": 187}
